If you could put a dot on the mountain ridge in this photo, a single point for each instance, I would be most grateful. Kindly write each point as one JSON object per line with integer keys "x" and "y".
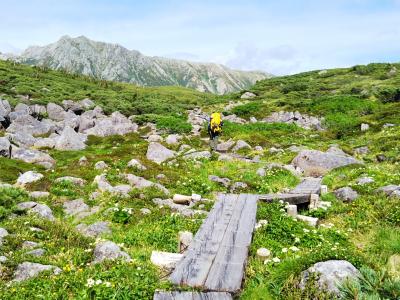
{"x": 115, "y": 62}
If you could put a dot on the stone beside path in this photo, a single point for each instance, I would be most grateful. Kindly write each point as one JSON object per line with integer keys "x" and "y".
{"x": 216, "y": 259}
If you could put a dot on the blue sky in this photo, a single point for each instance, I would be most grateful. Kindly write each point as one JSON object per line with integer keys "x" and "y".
{"x": 281, "y": 37}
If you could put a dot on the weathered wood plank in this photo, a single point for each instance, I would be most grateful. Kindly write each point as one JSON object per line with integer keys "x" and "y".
{"x": 289, "y": 198}
{"x": 309, "y": 185}
{"x": 175, "y": 295}
{"x": 194, "y": 267}
{"x": 227, "y": 271}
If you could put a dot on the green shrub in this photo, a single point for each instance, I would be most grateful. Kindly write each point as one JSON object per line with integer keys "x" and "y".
{"x": 171, "y": 123}
{"x": 247, "y": 110}
{"x": 389, "y": 94}
{"x": 9, "y": 197}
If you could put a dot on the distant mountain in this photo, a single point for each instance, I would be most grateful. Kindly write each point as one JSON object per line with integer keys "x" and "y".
{"x": 114, "y": 62}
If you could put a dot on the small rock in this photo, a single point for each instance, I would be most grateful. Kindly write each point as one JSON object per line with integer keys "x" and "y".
{"x": 83, "y": 161}
{"x": 238, "y": 186}
{"x": 196, "y": 197}
{"x": 160, "y": 177}
{"x": 74, "y": 180}
{"x": 346, "y": 194}
{"x": 109, "y": 251}
{"x": 389, "y": 189}
{"x": 185, "y": 239}
{"x": 165, "y": 260}
{"x": 3, "y": 234}
{"x": 263, "y": 253}
{"x": 365, "y": 180}
{"x": 154, "y": 138}
{"x": 291, "y": 210}
{"x": 248, "y": 95}
{"x": 261, "y": 172}
{"x": 253, "y": 120}
{"x": 141, "y": 183}
{"x": 38, "y": 194}
{"x": 224, "y": 181}
{"x": 5, "y": 147}
{"x": 37, "y": 252}
{"x": 3, "y": 259}
{"x": 29, "y": 245}
{"x": 258, "y": 148}
{"x": 361, "y": 150}
{"x": 134, "y": 163}
{"x": 29, "y": 177}
{"x": 173, "y": 139}
{"x": 309, "y": 220}
{"x": 100, "y": 165}
{"x": 28, "y": 270}
{"x": 145, "y": 211}
{"x": 364, "y": 127}
{"x": 274, "y": 150}
{"x": 330, "y": 274}
{"x": 381, "y": 158}
{"x": 225, "y": 146}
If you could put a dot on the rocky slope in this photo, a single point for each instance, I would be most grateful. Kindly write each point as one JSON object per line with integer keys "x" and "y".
{"x": 114, "y": 62}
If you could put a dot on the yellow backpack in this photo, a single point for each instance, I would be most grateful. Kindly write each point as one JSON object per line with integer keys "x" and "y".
{"x": 215, "y": 122}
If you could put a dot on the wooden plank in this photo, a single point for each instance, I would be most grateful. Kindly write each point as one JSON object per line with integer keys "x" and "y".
{"x": 289, "y": 198}
{"x": 194, "y": 267}
{"x": 227, "y": 271}
{"x": 176, "y": 295}
{"x": 309, "y": 185}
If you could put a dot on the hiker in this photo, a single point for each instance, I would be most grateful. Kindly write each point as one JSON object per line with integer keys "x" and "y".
{"x": 214, "y": 129}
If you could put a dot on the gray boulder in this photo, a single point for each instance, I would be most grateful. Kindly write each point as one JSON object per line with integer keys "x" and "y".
{"x": 173, "y": 139}
{"x": 248, "y": 95}
{"x": 314, "y": 161}
{"x": 141, "y": 183}
{"x": 154, "y": 138}
{"x": 100, "y": 165}
{"x": 22, "y": 108}
{"x": 33, "y": 156}
{"x": 38, "y": 194}
{"x": 69, "y": 140}
{"x": 109, "y": 251}
{"x": 28, "y": 270}
{"x": 55, "y": 112}
{"x": 361, "y": 150}
{"x": 5, "y": 108}
{"x": 37, "y": 110}
{"x": 30, "y": 125}
{"x": 29, "y": 177}
{"x": 5, "y": 147}
{"x": 223, "y": 181}
{"x": 22, "y": 139}
{"x": 30, "y": 245}
{"x": 365, "y": 180}
{"x": 87, "y": 103}
{"x": 36, "y": 252}
{"x": 158, "y": 153}
{"x": 41, "y": 210}
{"x": 241, "y": 145}
{"x": 225, "y": 146}
{"x": 116, "y": 124}
{"x": 238, "y": 186}
{"x": 75, "y": 207}
{"x": 134, "y": 163}
{"x": 74, "y": 180}
{"x": 346, "y": 194}
{"x": 94, "y": 230}
{"x": 40, "y": 143}
{"x": 389, "y": 189}
{"x": 102, "y": 183}
{"x": 330, "y": 274}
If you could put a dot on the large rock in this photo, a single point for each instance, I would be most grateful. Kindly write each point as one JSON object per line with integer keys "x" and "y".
{"x": 5, "y": 108}
{"x": 75, "y": 207}
{"x": 389, "y": 189}
{"x": 173, "y": 139}
{"x": 29, "y": 177}
{"x": 22, "y": 108}
{"x": 304, "y": 121}
{"x": 330, "y": 274}
{"x": 85, "y": 123}
{"x": 69, "y": 140}
{"x": 346, "y": 194}
{"x": 141, "y": 183}
{"x": 109, "y": 251}
{"x": 223, "y": 181}
{"x": 55, "y": 112}
{"x": 22, "y": 139}
{"x": 225, "y": 146}
{"x": 134, "y": 163}
{"x": 37, "y": 110}
{"x": 116, "y": 124}
{"x": 235, "y": 119}
{"x": 41, "y": 143}
{"x": 28, "y": 270}
{"x": 5, "y": 147}
{"x": 33, "y": 156}
{"x": 241, "y": 145}
{"x": 30, "y": 125}
{"x": 102, "y": 183}
{"x": 94, "y": 230}
{"x": 158, "y": 153}
{"x": 317, "y": 162}
{"x": 40, "y": 209}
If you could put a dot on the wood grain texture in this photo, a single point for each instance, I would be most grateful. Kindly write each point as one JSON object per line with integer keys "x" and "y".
{"x": 217, "y": 257}
{"x": 308, "y": 185}
{"x": 289, "y": 198}
{"x": 175, "y": 295}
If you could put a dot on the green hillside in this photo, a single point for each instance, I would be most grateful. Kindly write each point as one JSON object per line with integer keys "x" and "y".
{"x": 365, "y": 232}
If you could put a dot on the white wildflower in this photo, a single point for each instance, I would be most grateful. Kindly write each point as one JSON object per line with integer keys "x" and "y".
{"x": 306, "y": 230}
{"x": 107, "y": 284}
{"x": 294, "y": 249}
{"x": 276, "y": 260}
{"x": 284, "y": 250}
{"x": 90, "y": 282}
{"x": 99, "y": 281}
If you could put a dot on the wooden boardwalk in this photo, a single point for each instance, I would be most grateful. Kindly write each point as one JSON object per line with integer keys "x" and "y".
{"x": 192, "y": 296}
{"x": 216, "y": 259}
{"x": 299, "y": 195}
